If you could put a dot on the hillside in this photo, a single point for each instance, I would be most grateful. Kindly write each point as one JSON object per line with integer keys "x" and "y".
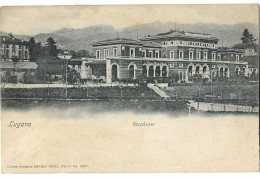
{"x": 79, "y": 39}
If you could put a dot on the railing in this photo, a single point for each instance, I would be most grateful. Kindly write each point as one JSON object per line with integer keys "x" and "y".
{"x": 171, "y": 59}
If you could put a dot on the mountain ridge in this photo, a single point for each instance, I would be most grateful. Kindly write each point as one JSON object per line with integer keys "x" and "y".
{"x": 82, "y": 38}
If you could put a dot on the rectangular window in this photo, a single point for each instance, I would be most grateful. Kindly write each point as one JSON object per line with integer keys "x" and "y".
{"x": 151, "y": 54}
{"x": 198, "y": 56}
{"x": 114, "y": 52}
{"x": 181, "y": 54}
{"x": 144, "y": 53}
{"x": 172, "y": 55}
{"x": 205, "y": 55}
{"x": 98, "y": 54}
{"x": 132, "y": 52}
{"x": 157, "y": 55}
{"x": 190, "y": 55}
{"x": 106, "y": 53}
{"x": 213, "y": 56}
{"x": 237, "y": 58}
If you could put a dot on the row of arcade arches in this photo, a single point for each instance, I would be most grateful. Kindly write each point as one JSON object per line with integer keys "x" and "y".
{"x": 205, "y": 71}
{"x": 147, "y": 70}
{"x": 163, "y": 70}
{"x": 155, "y": 70}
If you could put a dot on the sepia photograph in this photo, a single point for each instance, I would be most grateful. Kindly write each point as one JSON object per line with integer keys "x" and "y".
{"x": 130, "y": 88}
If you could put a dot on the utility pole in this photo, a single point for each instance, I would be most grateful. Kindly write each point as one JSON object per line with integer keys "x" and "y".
{"x": 211, "y": 83}
{"x": 66, "y": 77}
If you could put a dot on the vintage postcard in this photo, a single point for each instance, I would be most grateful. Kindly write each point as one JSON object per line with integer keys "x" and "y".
{"x": 130, "y": 88}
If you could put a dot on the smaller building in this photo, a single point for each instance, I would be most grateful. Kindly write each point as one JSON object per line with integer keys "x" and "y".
{"x": 250, "y": 52}
{"x": 18, "y": 72}
{"x": 13, "y": 49}
{"x": 75, "y": 64}
{"x": 65, "y": 55}
{"x": 253, "y": 67}
{"x": 93, "y": 68}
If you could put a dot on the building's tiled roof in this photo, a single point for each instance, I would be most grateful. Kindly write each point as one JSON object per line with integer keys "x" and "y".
{"x": 181, "y": 35}
{"x": 18, "y": 65}
{"x": 117, "y": 41}
{"x": 96, "y": 61}
{"x": 225, "y": 49}
{"x": 76, "y": 59}
{"x": 151, "y": 44}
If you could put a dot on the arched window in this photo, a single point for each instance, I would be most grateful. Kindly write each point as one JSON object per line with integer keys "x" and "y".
{"x": 198, "y": 70}
{"x": 7, "y": 53}
{"x": 144, "y": 71}
{"x": 131, "y": 71}
{"x": 221, "y": 72}
{"x": 114, "y": 72}
{"x": 26, "y": 54}
{"x": 190, "y": 71}
{"x": 151, "y": 71}
{"x": 226, "y": 72}
{"x": 164, "y": 71}
{"x": 237, "y": 70}
{"x": 204, "y": 70}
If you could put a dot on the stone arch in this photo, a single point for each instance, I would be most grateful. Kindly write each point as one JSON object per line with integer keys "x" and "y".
{"x": 164, "y": 70}
{"x": 157, "y": 71}
{"x": 151, "y": 71}
{"x": 198, "y": 69}
{"x": 131, "y": 70}
{"x": 190, "y": 70}
{"x": 26, "y": 54}
{"x": 205, "y": 71}
{"x": 115, "y": 72}
{"x": 226, "y": 72}
{"x": 221, "y": 71}
{"x": 237, "y": 70}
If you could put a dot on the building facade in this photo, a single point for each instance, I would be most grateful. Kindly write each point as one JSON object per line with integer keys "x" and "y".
{"x": 13, "y": 49}
{"x": 181, "y": 56}
{"x": 18, "y": 72}
{"x": 65, "y": 54}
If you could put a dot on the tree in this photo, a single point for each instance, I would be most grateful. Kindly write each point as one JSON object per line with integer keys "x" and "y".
{"x": 32, "y": 45}
{"x": 82, "y": 53}
{"x": 247, "y": 39}
{"x": 51, "y": 48}
{"x": 37, "y": 50}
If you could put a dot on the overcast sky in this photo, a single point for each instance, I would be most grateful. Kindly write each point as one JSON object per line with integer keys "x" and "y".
{"x": 39, "y": 19}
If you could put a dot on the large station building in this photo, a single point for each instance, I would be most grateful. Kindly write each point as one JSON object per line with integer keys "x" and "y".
{"x": 176, "y": 54}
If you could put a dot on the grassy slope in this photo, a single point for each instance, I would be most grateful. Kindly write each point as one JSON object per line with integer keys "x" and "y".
{"x": 82, "y": 93}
